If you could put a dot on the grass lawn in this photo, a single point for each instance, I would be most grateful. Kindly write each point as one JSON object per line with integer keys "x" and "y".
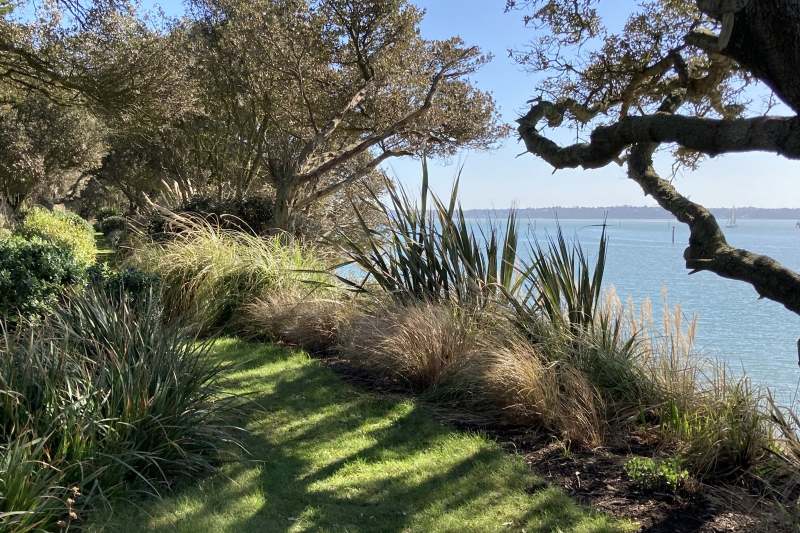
{"x": 104, "y": 250}
{"x": 327, "y": 457}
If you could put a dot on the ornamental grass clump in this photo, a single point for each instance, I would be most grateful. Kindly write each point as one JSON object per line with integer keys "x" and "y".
{"x": 513, "y": 380}
{"x": 208, "y": 274}
{"x": 310, "y": 319}
{"x": 412, "y": 346}
{"x": 101, "y": 396}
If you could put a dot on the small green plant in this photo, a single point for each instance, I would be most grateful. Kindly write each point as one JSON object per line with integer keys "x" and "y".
{"x": 658, "y": 474}
{"x": 566, "y": 448}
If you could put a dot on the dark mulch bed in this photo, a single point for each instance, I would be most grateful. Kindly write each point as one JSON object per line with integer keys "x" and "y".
{"x": 597, "y": 478}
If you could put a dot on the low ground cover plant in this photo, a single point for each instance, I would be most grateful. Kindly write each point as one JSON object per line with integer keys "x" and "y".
{"x": 658, "y": 474}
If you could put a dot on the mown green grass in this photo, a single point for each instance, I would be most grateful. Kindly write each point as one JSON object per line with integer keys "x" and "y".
{"x": 327, "y": 457}
{"x": 104, "y": 250}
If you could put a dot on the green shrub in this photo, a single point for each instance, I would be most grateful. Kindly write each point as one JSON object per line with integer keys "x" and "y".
{"x": 130, "y": 283}
{"x": 61, "y": 228}
{"x": 251, "y": 215}
{"x": 102, "y": 214}
{"x": 75, "y": 219}
{"x": 33, "y": 272}
{"x": 111, "y": 397}
{"x": 106, "y": 212}
{"x": 115, "y": 223}
{"x": 113, "y": 229}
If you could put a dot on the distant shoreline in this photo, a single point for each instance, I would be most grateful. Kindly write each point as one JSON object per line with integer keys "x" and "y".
{"x": 627, "y": 212}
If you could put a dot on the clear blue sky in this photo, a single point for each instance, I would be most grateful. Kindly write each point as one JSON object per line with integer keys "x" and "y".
{"x": 498, "y": 178}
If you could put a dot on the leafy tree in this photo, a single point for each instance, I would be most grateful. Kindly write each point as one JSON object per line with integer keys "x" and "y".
{"x": 310, "y": 97}
{"x": 44, "y": 148}
{"x": 71, "y": 72}
{"x": 104, "y": 54}
{"x": 676, "y": 75}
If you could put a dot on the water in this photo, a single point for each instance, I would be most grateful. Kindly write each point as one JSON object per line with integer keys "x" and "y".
{"x": 756, "y": 337}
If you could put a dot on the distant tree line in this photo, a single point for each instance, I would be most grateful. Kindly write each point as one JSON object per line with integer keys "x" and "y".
{"x": 634, "y": 213}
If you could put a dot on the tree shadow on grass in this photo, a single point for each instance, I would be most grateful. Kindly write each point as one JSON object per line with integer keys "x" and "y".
{"x": 327, "y": 457}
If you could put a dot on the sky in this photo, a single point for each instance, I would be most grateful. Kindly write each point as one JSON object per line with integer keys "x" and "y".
{"x": 504, "y": 177}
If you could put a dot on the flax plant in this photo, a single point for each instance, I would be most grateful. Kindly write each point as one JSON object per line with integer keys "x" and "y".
{"x": 561, "y": 284}
{"x": 101, "y": 396}
{"x": 32, "y": 496}
{"x": 433, "y": 255}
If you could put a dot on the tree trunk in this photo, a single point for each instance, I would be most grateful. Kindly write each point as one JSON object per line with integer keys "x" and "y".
{"x": 766, "y": 40}
{"x": 285, "y": 198}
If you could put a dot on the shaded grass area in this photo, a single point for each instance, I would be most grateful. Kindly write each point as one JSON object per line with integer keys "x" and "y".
{"x": 327, "y": 457}
{"x": 104, "y": 250}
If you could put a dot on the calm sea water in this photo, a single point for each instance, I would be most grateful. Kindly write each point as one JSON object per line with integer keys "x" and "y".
{"x": 756, "y": 337}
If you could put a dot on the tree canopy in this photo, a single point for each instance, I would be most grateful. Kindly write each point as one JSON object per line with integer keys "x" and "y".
{"x": 677, "y": 75}
{"x": 310, "y": 97}
{"x": 294, "y": 99}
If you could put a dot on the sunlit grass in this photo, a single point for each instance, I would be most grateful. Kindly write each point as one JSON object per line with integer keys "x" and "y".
{"x": 328, "y": 457}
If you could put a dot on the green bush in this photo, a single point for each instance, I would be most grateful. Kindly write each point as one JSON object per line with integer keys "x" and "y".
{"x": 114, "y": 223}
{"x": 250, "y": 215}
{"x": 75, "y": 219}
{"x": 99, "y": 396}
{"x": 33, "y": 272}
{"x": 253, "y": 213}
{"x": 61, "y": 228}
{"x": 106, "y": 212}
{"x": 130, "y": 283}
{"x": 102, "y": 214}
